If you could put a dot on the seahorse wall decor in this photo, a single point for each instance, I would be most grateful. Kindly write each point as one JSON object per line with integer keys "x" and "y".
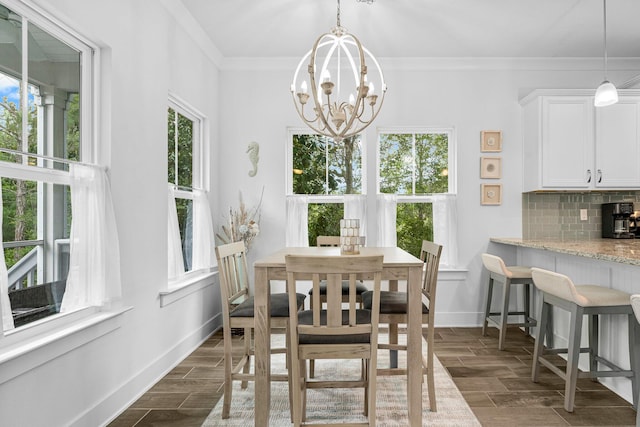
{"x": 254, "y": 156}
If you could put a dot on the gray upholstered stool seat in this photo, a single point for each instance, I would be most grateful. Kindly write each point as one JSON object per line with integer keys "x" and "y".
{"x": 558, "y": 290}
{"x": 279, "y": 306}
{"x": 506, "y": 276}
{"x": 305, "y": 317}
{"x": 360, "y": 288}
{"x": 390, "y": 302}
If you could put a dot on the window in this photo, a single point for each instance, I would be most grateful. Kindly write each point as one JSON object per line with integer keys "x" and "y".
{"x": 416, "y": 188}
{"x": 180, "y": 171}
{"x": 45, "y": 124}
{"x": 324, "y": 167}
{"x": 414, "y": 164}
{"x": 190, "y": 230}
{"x": 418, "y": 168}
{"x": 323, "y": 173}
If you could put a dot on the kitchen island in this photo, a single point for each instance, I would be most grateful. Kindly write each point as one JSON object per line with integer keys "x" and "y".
{"x": 611, "y": 263}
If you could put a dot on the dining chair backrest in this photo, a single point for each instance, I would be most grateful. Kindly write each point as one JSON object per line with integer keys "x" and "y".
{"x": 233, "y": 272}
{"x": 334, "y": 269}
{"x": 328, "y": 241}
{"x": 430, "y": 255}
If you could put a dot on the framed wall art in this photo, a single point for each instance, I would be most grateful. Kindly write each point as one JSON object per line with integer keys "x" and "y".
{"x": 491, "y": 141}
{"x": 491, "y": 194}
{"x": 491, "y": 167}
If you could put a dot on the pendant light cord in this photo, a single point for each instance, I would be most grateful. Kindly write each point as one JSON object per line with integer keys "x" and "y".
{"x": 604, "y": 2}
{"x": 338, "y": 15}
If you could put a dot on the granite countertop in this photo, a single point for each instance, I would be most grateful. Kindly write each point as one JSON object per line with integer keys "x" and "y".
{"x": 625, "y": 251}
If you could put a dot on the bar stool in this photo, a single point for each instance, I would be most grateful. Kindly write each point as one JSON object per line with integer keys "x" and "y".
{"x": 635, "y": 304}
{"x": 558, "y": 290}
{"x": 506, "y": 276}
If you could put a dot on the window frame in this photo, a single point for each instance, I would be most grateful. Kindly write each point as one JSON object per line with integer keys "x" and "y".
{"x": 199, "y": 174}
{"x": 413, "y": 130}
{"x": 90, "y": 76}
{"x": 42, "y": 172}
{"x": 449, "y": 260}
{"x": 46, "y": 339}
{"x": 320, "y": 198}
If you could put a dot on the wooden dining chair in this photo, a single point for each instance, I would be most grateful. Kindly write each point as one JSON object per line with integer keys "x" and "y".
{"x": 333, "y": 241}
{"x": 393, "y": 311}
{"x": 334, "y": 332}
{"x": 238, "y": 312}
{"x": 360, "y": 287}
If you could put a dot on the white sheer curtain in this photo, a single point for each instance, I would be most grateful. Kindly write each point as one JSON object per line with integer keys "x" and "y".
{"x": 203, "y": 243}
{"x": 94, "y": 261}
{"x": 355, "y": 206}
{"x": 176, "y": 261}
{"x": 445, "y": 228}
{"x": 386, "y": 206}
{"x": 5, "y": 304}
{"x": 297, "y": 232}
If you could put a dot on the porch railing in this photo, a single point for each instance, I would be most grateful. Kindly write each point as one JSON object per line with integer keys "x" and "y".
{"x": 23, "y": 273}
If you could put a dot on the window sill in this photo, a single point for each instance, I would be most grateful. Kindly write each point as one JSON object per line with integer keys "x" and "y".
{"x": 36, "y": 344}
{"x": 185, "y": 286}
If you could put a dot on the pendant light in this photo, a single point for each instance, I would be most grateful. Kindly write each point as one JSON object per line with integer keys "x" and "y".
{"x": 606, "y": 94}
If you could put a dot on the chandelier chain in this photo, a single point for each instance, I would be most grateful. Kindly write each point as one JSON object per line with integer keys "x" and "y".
{"x": 338, "y": 15}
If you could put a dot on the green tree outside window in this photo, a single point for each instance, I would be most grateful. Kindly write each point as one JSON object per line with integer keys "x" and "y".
{"x": 180, "y": 173}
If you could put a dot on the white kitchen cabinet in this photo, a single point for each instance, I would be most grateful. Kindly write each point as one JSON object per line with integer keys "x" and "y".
{"x": 617, "y": 144}
{"x": 571, "y": 145}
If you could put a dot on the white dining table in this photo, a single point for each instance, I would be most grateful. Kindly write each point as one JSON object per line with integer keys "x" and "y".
{"x": 397, "y": 265}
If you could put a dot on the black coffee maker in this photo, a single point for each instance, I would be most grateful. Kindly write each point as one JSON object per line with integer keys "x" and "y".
{"x": 616, "y": 220}
{"x": 634, "y": 223}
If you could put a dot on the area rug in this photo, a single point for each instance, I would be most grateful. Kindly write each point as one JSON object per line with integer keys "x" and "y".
{"x": 329, "y": 405}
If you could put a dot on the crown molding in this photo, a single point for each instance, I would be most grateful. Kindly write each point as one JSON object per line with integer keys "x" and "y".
{"x": 536, "y": 93}
{"x": 452, "y": 63}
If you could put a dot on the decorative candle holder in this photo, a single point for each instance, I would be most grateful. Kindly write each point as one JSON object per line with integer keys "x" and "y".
{"x": 350, "y": 240}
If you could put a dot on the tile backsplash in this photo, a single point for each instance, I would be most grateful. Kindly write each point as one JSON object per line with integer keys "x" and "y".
{"x": 556, "y": 215}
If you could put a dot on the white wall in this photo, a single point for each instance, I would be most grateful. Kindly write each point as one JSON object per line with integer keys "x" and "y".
{"x": 146, "y": 54}
{"x": 469, "y": 95}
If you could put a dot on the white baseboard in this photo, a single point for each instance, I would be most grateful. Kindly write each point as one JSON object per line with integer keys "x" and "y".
{"x": 121, "y": 398}
{"x": 458, "y": 320}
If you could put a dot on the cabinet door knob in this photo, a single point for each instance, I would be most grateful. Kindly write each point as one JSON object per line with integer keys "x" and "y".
{"x": 588, "y": 176}
{"x": 599, "y": 173}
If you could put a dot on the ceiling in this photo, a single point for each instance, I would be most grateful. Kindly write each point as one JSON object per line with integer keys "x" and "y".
{"x": 424, "y": 28}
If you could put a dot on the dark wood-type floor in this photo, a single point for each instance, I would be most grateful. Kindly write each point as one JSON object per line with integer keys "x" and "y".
{"x": 496, "y": 384}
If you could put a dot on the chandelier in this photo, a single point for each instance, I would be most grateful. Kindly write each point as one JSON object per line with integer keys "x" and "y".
{"x": 343, "y": 94}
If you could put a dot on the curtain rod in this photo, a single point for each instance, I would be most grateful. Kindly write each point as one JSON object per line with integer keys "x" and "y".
{"x": 43, "y": 157}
